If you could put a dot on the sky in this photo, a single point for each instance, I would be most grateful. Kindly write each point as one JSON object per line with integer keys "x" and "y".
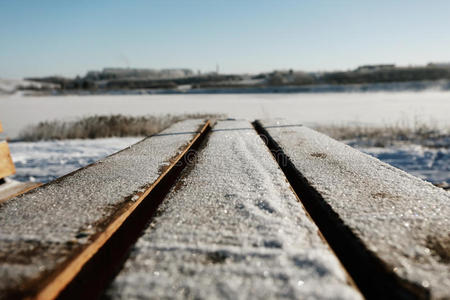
{"x": 68, "y": 38}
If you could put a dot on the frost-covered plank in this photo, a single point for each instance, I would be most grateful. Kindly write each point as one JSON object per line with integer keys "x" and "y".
{"x": 11, "y": 189}
{"x": 403, "y": 221}
{"x": 232, "y": 229}
{"x": 44, "y": 228}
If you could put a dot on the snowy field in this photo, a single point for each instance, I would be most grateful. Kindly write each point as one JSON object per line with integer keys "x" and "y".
{"x": 44, "y": 161}
{"x": 378, "y": 108}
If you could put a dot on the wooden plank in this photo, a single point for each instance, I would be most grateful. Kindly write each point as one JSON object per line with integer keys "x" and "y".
{"x": 232, "y": 229}
{"x": 13, "y": 189}
{"x": 1, "y": 128}
{"x": 390, "y": 228}
{"x": 49, "y": 234}
{"x": 6, "y": 164}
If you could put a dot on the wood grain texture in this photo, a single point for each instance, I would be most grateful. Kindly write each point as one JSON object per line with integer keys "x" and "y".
{"x": 6, "y": 163}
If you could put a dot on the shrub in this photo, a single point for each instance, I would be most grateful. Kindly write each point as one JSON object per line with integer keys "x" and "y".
{"x": 104, "y": 126}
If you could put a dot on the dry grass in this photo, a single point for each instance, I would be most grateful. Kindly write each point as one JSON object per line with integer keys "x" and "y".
{"x": 104, "y": 126}
{"x": 419, "y": 133}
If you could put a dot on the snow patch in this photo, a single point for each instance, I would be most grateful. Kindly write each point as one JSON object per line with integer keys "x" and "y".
{"x": 47, "y": 160}
{"x": 428, "y": 163}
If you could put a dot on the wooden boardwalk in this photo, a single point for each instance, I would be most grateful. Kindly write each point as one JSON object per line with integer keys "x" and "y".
{"x": 230, "y": 210}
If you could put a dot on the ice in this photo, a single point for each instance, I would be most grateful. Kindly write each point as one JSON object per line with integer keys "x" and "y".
{"x": 320, "y": 108}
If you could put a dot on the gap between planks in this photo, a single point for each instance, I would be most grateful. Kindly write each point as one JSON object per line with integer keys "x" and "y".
{"x": 58, "y": 282}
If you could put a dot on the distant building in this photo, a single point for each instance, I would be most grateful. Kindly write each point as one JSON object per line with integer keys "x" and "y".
{"x": 121, "y": 73}
{"x": 439, "y": 65}
{"x": 372, "y": 68}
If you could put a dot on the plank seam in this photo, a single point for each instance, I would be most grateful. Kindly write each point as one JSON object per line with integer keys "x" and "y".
{"x": 370, "y": 274}
{"x": 58, "y": 282}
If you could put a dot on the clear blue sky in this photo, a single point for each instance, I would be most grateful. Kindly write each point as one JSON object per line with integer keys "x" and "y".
{"x": 68, "y": 37}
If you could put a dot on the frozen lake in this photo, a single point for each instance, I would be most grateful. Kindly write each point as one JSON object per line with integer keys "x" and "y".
{"x": 378, "y": 108}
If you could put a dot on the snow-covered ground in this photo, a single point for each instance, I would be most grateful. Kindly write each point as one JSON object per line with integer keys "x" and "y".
{"x": 375, "y": 108}
{"x": 47, "y": 160}
{"x": 430, "y": 164}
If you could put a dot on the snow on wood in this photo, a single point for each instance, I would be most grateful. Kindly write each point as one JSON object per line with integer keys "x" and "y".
{"x": 232, "y": 229}
{"x": 43, "y": 229}
{"x": 13, "y": 188}
{"x": 401, "y": 220}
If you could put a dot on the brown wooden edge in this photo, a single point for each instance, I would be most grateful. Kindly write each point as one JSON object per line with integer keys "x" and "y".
{"x": 61, "y": 280}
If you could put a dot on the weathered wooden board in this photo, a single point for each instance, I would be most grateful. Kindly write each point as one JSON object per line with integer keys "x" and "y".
{"x": 402, "y": 221}
{"x": 48, "y": 234}
{"x": 6, "y": 164}
{"x": 13, "y": 189}
{"x": 232, "y": 229}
